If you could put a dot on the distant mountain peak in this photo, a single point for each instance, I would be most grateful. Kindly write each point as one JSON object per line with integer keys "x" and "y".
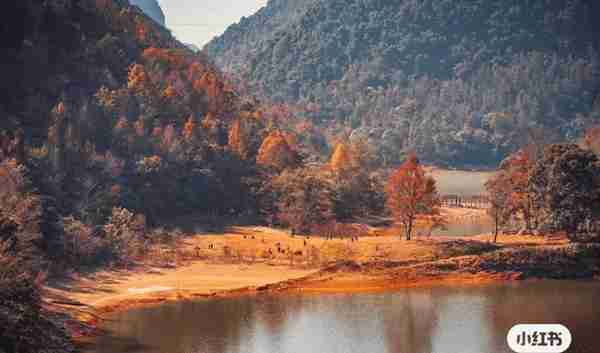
{"x": 151, "y": 8}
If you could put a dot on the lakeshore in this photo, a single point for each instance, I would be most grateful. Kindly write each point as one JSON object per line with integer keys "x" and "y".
{"x": 346, "y": 267}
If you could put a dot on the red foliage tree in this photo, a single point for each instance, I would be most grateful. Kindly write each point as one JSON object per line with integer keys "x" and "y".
{"x": 410, "y": 193}
{"x": 516, "y": 170}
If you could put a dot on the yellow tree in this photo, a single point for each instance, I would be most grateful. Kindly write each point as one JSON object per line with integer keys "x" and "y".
{"x": 276, "y": 153}
{"x": 189, "y": 129}
{"x": 410, "y": 194}
{"x": 246, "y": 135}
{"x": 238, "y": 139}
{"x": 341, "y": 160}
{"x": 137, "y": 79}
{"x": 170, "y": 92}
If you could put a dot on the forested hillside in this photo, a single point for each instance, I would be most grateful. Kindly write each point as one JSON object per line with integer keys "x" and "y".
{"x": 114, "y": 135}
{"x": 462, "y": 82}
{"x": 110, "y": 100}
{"x": 240, "y": 40}
{"x": 108, "y": 127}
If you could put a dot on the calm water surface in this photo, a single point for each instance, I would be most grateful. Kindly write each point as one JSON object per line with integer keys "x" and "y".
{"x": 432, "y": 320}
{"x": 467, "y": 227}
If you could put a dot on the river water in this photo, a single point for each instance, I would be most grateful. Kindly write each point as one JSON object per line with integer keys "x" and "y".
{"x": 471, "y": 319}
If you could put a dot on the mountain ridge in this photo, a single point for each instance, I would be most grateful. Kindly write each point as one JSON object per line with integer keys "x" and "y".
{"x": 362, "y": 62}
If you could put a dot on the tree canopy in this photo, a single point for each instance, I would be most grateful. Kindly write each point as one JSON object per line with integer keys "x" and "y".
{"x": 410, "y": 193}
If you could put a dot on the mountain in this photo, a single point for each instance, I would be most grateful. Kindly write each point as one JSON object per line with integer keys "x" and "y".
{"x": 100, "y": 97}
{"x": 241, "y": 39}
{"x": 108, "y": 125}
{"x": 462, "y": 82}
{"x": 152, "y": 9}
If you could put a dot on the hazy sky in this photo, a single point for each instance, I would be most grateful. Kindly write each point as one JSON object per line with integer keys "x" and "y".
{"x": 198, "y": 21}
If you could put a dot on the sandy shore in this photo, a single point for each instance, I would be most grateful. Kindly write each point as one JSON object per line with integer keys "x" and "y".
{"x": 91, "y": 296}
{"x": 238, "y": 262}
{"x": 91, "y": 299}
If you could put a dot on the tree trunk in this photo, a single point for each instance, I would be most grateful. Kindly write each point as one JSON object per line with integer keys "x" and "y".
{"x": 19, "y": 146}
{"x": 408, "y": 229}
{"x": 496, "y": 232}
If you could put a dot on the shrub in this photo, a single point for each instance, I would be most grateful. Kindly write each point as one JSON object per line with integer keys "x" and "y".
{"x": 83, "y": 245}
{"x": 125, "y": 233}
{"x": 25, "y": 326}
{"x": 20, "y": 208}
{"x": 303, "y": 198}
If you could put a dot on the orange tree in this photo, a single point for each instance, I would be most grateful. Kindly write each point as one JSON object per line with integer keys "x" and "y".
{"x": 410, "y": 194}
{"x": 275, "y": 153}
{"x": 513, "y": 180}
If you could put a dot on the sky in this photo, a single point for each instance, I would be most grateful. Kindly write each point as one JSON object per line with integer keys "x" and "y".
{"x": 198, "y": 21}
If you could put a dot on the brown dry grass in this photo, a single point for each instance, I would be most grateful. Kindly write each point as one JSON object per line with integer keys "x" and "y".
{"x": 253, "y": 245}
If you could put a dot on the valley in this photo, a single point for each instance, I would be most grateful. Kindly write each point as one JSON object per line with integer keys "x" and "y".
{"x": 417, "y": 159}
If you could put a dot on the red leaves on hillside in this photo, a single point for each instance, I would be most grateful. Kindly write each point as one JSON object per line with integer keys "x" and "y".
{"x": 175, "y": 58}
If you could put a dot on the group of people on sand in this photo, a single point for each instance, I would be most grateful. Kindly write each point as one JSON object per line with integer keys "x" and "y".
{"x": 279, "y": 249}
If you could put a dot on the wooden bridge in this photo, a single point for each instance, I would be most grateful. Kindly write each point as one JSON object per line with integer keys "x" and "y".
{"x": 458, "y": 201}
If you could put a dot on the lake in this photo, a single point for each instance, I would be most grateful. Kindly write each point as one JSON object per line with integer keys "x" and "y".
{"x": 468, "y": 226}
{"x": 472, "y": 319}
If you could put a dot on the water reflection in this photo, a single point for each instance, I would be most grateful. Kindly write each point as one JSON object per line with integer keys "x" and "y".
{"x": 572, "y": 304}
{"x": 409, "y": 321}
{"x": 467, "y": 226}
{"x": 440, "y": 320}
